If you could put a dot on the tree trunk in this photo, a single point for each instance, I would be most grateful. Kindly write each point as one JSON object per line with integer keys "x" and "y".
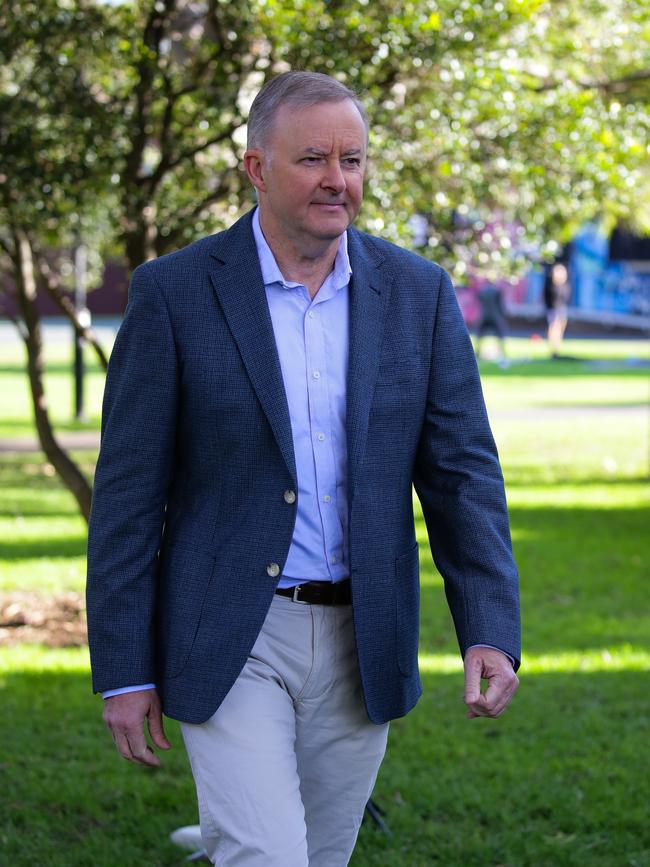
{"x": 69, "y": 472}
{"x": 139, "y": 235}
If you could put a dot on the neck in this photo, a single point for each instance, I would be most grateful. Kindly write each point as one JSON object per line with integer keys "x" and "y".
{"x": 307, "y": 264}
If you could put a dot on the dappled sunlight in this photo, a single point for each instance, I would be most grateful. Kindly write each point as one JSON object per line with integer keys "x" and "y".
{"x": 45, "y": 575}
{"x": 620, "y": 658}
{"x": 429, "y": 577}
{"x": 600, "y": 496}
{"x": 519, "y": 534}
{"x": 36, "y": 658}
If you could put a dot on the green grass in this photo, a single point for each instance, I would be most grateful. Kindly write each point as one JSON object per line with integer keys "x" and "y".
{"x": 16, "y": 407}
{"x": 42, "y": 534}
{"x": 562, "y": 780}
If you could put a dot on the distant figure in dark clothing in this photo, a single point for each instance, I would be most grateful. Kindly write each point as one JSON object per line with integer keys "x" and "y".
{"x": 556, "y": 300}
{"x": 492, "y": 319}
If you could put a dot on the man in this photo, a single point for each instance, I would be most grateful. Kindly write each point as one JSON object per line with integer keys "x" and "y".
{"x": 273, "y": 394}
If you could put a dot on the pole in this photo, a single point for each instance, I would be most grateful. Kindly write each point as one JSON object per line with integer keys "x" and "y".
{"x": 83, "y": 314}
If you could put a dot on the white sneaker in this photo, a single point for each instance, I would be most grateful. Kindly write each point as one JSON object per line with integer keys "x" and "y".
{"x": 187, "y": 837}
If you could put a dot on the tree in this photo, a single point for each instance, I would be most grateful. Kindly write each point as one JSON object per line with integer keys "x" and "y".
{"x": 47, "y": 183}
{"x": 126, "y": 122}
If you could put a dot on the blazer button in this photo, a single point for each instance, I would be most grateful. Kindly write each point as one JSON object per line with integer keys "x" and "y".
{"x": 289, "y": 496}
{"x": 273, "y": 570}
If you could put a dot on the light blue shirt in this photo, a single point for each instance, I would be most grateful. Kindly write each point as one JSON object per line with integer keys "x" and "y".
{"x": 312, "y": 337}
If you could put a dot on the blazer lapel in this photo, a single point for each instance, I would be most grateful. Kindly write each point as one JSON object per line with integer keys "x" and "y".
{"x": 237, "y": 281}
{"x": 369, "y": 295}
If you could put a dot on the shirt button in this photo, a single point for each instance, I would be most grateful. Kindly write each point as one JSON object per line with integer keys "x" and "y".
{"x": 273, "y": 570}
{"x": 334, "y": 560}
{"x": 320, "y": 436}
{"x": 327, "y": 498}
{"x": 289, "y": 496}
{"x": 311, "y": 314}
{"x": 316, "y": 374}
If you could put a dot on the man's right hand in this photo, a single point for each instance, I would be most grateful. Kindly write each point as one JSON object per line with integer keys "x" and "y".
{"x": 125, "y": 716}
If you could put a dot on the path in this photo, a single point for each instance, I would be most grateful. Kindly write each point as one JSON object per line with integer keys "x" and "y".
{"x": 89, "y": 440}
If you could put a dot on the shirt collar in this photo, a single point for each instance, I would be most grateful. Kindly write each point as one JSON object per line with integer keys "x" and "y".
{"x": 339, "y": 276}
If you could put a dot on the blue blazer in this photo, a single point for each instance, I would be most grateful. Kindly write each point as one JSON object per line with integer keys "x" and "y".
{"x": 188, "y": 508}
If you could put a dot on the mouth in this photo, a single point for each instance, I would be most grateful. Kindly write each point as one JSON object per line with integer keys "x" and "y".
{"x": 333, "y": 206}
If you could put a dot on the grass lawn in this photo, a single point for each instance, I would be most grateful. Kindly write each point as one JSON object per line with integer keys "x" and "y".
{"x": 562, "y": 780}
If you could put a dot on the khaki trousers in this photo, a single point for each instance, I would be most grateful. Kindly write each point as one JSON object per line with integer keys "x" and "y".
{"x": 284, "y": 768}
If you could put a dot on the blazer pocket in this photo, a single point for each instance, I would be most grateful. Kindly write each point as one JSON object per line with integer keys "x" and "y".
{"x": 398, "y": 369}
{"x": 185, "y": 580}
{"x": 407, "y": 623}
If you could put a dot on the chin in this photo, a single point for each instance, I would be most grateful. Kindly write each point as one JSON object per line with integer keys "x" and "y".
{"x": 330, "y": 229}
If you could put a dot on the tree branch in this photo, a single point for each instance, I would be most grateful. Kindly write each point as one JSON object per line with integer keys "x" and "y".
{"x": 20, "y": 325}
{"x": 186, "y": 217}
{"x": 6, "y": 248}
{"x": 213, "y": 17}
{"x": 616, "y": 85}
{"x": 50, "y": 282}
{"x": 152, "y": 37}
{"x": 167, "y": 118}
{"x": 165, "y": 166}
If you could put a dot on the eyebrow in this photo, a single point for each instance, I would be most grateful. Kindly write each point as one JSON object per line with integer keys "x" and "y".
{"x": 322, "y": 153}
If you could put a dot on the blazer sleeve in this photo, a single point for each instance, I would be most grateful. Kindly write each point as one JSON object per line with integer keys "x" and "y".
{"x": 458, "y": 479}
{"x": 130, "y": 490}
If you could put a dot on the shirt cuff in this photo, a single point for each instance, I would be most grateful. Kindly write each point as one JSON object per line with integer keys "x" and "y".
{"x": 512, "y": 662}
{"x": 109, "y": 692}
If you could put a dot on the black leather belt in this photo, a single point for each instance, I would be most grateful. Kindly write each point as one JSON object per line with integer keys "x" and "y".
{"x": 319, "y": 593}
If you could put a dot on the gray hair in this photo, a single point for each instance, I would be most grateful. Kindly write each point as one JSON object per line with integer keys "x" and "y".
{"x": 298, "y": 90}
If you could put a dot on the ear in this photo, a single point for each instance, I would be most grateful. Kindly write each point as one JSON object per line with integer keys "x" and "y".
{"x": 256, "y": 166}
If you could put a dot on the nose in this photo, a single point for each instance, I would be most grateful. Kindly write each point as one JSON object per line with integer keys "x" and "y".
{"x": 334, "y": 179}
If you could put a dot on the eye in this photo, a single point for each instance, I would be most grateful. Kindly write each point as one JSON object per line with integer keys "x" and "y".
{"x": 355, "y": 162}
{"x": 312, "y": 160}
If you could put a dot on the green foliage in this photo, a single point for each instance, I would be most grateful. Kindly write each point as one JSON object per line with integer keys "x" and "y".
{"x": 55, "y": 132}
{"x": 52, "y": 130}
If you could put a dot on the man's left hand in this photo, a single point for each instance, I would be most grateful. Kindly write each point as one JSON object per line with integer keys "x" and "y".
{"x": 502, "y": 682}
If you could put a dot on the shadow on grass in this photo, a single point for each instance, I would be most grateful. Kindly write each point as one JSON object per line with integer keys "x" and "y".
{"x": 47, "y": 548}
{"x": 529, "y": 480}
{"x": 605, "y": 406}
{"x": 561, "y": 780}
{"x": 551, "y": 369}
{"x": 52, "y": 367}
{"x": 60, "y": 426}
{"x": 21, "y": 468}
{"x": 561, "y": 408}
{"x": 35, "y": 507}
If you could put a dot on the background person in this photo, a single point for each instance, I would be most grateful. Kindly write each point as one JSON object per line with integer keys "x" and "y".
{"x": 492, "y": 319}
{"x": 557, "y": 291}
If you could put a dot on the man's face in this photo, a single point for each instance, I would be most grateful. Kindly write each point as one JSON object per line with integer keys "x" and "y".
{"x": 310, "y": 175}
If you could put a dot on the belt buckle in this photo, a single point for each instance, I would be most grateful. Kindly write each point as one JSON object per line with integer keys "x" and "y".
{"x": 295, "y": 599}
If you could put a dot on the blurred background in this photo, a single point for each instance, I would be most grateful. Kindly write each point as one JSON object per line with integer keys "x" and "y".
{"x": 510, "y": 142}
